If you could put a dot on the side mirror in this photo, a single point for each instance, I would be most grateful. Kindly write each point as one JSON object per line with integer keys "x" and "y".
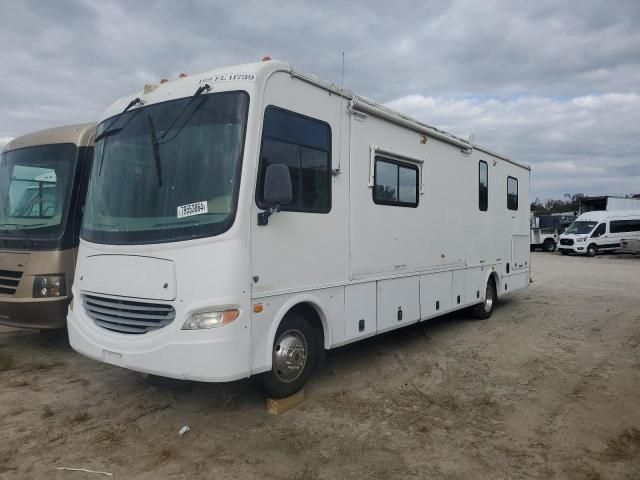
{"x": 277, "y": 190}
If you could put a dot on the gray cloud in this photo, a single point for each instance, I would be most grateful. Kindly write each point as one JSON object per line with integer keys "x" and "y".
{"x": 64, "y": 62}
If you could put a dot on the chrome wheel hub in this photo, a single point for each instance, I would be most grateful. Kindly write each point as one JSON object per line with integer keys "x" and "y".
{"x": 488, "y": 298}
{"x": 290, "y": 355}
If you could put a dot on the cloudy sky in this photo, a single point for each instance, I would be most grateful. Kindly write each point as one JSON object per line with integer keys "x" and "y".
{"x": 553, "y": 83}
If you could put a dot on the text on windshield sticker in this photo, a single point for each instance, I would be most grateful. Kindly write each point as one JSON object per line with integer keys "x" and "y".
{"x": 191, "y": 209}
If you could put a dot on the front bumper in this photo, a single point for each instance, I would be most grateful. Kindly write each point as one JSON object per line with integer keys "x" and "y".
{"x": 579, "y": 248}
{"x": 214, "y": 355}
{"x": 42, "y": 313}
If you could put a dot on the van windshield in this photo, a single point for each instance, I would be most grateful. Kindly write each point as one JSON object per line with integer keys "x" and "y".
{"x": 167, "y": 172}
{"x": 581, "y": 227}
{"x": 35, "y": 186}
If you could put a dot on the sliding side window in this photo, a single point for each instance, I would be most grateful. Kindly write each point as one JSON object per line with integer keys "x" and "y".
{"x": 483, "y": 186}
{"x": 304, "y": 145}
{"x": 395, "y": 183}
{"x": 512, "y": 193}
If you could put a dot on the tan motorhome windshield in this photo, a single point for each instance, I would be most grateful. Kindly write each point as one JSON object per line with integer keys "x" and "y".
{"x": 35, "y": 189}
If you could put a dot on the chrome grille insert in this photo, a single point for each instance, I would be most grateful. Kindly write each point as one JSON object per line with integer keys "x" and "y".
{"x": 9, "y": 280}
{"x": 126, "y": 316}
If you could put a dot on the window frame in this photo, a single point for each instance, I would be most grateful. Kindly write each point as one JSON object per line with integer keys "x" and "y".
{"x": 260, "y": 175}
{"x": 517, "y": 194}
{"x": 399, "y": 164}
{"x": 486, "y": 200}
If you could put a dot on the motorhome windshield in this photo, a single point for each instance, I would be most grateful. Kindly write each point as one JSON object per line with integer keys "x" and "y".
{"x": 35, "y": 186}
{"x": 581, "y": 228}
{"x": 171, "y": 172}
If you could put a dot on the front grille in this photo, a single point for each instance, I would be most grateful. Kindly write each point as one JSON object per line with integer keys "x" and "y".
{"x": 9, "y": 280}
{"x": 566, "y": 241}
{"x": 125, "y": 316}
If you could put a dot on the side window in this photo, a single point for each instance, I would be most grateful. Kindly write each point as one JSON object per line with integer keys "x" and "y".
{"x": 483, "y": 186}
{"x": 512, "y": 193}
{"x": 395, "y": 183}
{"x": 623, "y": 226}
{"x": 599, "y": 231}
{"x": 304, "y": 145}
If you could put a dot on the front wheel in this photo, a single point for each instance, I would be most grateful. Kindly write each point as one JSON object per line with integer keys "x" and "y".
{"x": 549, "y": 245}
{"x": 592, "y": 250}
{"x": 293, "y": 357}
{"x": 484, "y": 310}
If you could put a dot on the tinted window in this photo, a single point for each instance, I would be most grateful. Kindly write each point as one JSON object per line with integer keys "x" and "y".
{"x": 599, "y": 230}
{"x": 483, "y": 185}
{"x": 304, "y": 145}
{"x": 395, "y": 183}
{"x": 622, "y": 226}
{"x": 512, "y": 193}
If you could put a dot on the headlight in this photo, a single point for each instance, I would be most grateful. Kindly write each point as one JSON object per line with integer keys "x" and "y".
{"x": 49, "y": 286}
{"x": 210, "y": 319}
{"x": 581, "y": 239}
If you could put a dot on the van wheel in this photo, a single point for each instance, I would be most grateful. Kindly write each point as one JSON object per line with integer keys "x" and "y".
{"x": 592, "y": 250}
{"x": 549, "y": 245}
{"x": 293, "y": 357}
{"x": 483, "y": 310}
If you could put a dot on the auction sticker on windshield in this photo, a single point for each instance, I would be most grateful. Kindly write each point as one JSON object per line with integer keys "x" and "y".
{"x": 191, "y": 209}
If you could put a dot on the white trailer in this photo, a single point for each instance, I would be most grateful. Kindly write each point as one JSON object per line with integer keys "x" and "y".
{"x": 241, "y": 221}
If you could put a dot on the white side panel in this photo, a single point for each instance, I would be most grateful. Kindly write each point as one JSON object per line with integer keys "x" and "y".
{"x": 435, "y": 294}
{"x": 474, "y": 285}
{"x": 517, "y": 281}
{"x": 457, "y": 293}
{"x": 398, "y": 302}
{"x": 521, "y": 252}
{"x": 360, "y": 311}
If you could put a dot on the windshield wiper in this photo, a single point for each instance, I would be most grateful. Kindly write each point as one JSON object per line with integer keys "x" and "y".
{"x": 107, "y": 132}
{"x": 199, "y": 91}
{"x": 156, "y": 150}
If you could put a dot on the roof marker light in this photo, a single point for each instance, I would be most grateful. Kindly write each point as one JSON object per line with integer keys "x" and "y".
{"x": 164, "y": 80}
{"x": 266, "y": 58}
{"x": 182, "y": 75}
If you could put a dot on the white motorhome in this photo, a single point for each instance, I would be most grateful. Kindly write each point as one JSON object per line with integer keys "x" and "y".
{"x": 600, "y": 231}
{"x": 241, "y": 221}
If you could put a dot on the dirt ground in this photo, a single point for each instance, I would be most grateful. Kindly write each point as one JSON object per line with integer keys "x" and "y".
{"x": 549, "y": 388}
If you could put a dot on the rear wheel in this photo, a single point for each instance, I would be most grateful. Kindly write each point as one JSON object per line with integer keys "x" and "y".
{"x": 592, "y": 250}
{"x": 549, "y": 245}
{"x": 484, "y": 310}
{"x": 293, "y": 357}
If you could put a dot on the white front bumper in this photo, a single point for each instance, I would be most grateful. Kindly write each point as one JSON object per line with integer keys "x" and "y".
{"x": 214, "y": 355}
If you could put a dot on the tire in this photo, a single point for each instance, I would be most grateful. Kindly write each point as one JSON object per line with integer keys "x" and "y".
{"x": 294, "y": 357}
{"x": 483, "y": 310}
{"x": 592, "y": 250}
{"x": 549, "y": 245}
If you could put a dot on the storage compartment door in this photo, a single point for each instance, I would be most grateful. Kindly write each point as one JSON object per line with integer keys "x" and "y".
{"x": 360, "y": 311}
{"x": 435, "y": 294}
{"x": 398, "y": 302}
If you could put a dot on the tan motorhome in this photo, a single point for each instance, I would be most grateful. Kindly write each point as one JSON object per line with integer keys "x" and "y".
{"x": 43, "y": 182}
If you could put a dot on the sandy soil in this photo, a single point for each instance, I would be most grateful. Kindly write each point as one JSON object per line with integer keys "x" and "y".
{"x": 549, "y": 388}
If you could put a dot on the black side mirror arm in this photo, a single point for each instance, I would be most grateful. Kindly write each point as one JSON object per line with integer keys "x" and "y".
{"x": 263, "y": 217}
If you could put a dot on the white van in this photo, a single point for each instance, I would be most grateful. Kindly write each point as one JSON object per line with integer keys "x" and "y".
{"x": 600, "y": 231}
{"x": 241, "y": 221}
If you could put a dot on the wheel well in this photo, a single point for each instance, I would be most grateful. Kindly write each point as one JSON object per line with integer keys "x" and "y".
{"x": 496, "y": 282}
{"x": 311, "y": 315}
